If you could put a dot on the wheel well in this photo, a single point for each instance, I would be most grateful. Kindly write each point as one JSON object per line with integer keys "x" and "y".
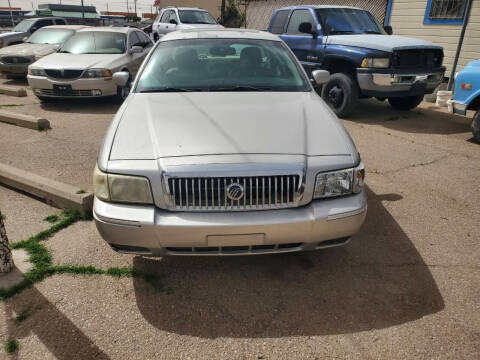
{"x": 336, "y": 65}
{"x": 475, "y": 104}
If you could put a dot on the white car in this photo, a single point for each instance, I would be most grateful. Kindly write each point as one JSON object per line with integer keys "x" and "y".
{"x": 85, "y": 64}
{"x": 172, "y": 19}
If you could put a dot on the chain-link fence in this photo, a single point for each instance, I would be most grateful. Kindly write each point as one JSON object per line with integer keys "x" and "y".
{"x": 259, "y": 12}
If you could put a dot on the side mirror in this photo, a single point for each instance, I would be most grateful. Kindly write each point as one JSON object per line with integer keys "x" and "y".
{"x": 321, "y": 76}
{"x": 388, "y": 29}
{"x": 121, "y": 78}
{"x": 173, "y": 21}
{"x": 135, "y": 50}
{"x": 306, "y": 28}
{"x": 33, "y": 29}
{"x": 25, "y": 39}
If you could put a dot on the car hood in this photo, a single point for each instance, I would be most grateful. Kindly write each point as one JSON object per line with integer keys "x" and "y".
{"x": 80, "y": 61}
{"x": 7, "y": 34}
{"x": 380, "y": 42}
{"x": 163, "y": 125}
{"x": 27, "y": 49}
{"x": 200, "y": 26}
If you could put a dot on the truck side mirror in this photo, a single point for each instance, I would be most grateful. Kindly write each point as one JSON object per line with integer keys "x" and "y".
{"x": 388, "y": 29}
{"x": 306, "y": 28}
{"x": 321, "y": 76}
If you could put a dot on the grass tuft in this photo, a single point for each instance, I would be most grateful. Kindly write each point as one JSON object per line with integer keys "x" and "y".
{"x": 81, "y": 191}
{"x": 23, "y": 315}
{"x": 12, "y": 346}
{"x": 51, "y": 219}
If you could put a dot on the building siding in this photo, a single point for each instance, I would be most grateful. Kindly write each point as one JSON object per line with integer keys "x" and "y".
{"x": 406, "y": 18}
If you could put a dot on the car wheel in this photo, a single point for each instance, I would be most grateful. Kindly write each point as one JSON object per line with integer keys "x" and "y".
{"x": 406, "y": 102}
{"x": 476, "y": 126}
{"x": 341, "y": 94}
{"x": 122, "y": 92}
{"x": 155, "y": 37}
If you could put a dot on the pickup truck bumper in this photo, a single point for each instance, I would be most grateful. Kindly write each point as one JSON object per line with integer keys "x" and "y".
{"x": 390, "y": 84}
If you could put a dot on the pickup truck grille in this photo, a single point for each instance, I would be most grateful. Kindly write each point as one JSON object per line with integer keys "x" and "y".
{"x": 16, "y": 60}
{"x": 414, "y": 58}
{"x": 63, "y": 74}
{"x": 215, "y": 193}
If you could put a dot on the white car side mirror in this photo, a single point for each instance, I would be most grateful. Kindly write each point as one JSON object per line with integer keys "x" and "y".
{"x": 135, "y": 50}
{"x": 321, "y": 76}
{"x": 121, "y": 78}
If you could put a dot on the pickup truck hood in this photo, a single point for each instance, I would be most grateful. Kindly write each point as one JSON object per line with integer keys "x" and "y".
{"x": 7, "y": 34}
{"x": 199, "y": 26}
{"x": 160, "y": 125}
{"x": 80, "y": 61}
{"x": 380, "y": 42}
{"x": 29, "y": 49}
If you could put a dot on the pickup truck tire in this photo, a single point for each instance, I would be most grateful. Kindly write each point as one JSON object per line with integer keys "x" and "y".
{"x": 340, "y": 93}
{"x": 476, "y": 126}
{"x": 406, "y": 102}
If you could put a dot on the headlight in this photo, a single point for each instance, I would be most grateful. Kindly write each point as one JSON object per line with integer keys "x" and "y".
{"x": 97, "y": 73}
{"x": 121, "y": 188}
{"x": 339, "y": 183}
{"x": 376, "y": 63}
{"x": 36, "y": 72}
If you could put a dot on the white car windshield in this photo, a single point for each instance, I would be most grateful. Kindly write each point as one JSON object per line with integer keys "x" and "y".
{"x": 222, "y": 65}
{"x": 196, "y": 17}
{"x": 95, "y": 42}
{"x": 24, "y": 25}
{"x": 50, "y": 36}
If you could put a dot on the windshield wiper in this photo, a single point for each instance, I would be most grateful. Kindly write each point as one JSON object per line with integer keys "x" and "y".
{"x": 169, "y": 89}
{"x": 371, "y": 32}
{"x": 240, "y": 88}
{"x": 341, "y": 32}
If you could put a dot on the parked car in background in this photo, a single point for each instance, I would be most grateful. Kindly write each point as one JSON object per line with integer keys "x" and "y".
{"x": 26, "y": 28}
{"x": 15, "y": 59}
{"x": 146, "y": 26}
{"x": 84, "y": 65}
{"x": 224, "y": 148}
{"x": 363, "y": 59}
{"x": 466, "y": 95}
{"x": 172, "y": 18}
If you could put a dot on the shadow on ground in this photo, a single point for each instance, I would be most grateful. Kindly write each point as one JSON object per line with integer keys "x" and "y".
{"x": 377, "y": 281}
{"x": 81, "y": 106}
{"x": 424, "y": 120}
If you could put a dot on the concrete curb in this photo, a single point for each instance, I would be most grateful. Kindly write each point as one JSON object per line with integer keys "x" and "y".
{"x": 26, "y": 121}
{"x": 13, "y": 91}
{"x": 55, "y": 193}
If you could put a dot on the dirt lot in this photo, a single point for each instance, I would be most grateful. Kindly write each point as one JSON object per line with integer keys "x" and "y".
{"x": 407, "y": 286}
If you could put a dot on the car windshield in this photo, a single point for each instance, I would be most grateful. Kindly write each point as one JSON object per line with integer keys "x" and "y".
{"x": 24, "y": 25}
{"x": 222, "y": 65}
{"x": 50, "y": 36}
{"x": 196, "y": 17}
{"x": 95, "y": 42}
{"x": 348, "y": 21}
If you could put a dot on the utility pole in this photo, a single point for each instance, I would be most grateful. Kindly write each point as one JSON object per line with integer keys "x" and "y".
{"x": 83, "y": 13}
{"x": 108, "y": 12}
{"x": 135, "y": 1}
{"x": 128, "y": 11}
{"x": 11, "y": 14}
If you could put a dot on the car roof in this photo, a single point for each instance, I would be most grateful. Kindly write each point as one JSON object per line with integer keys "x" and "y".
{"x": 182, "y": 8}
{"x": 122, "y": 30}
{"x": 319, "y": 7}
{"x": 70, "y": 27}
{"x": 228, "y": 33}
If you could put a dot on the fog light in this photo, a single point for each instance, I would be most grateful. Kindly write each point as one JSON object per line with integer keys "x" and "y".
{"x": 96, "y": 92}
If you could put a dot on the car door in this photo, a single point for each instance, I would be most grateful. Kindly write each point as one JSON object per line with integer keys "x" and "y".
{"x": 135, "y": 60}
{"x": 162, "y": 26}
{"x": 308, "y": 49}
{"x": 170, "y": 26}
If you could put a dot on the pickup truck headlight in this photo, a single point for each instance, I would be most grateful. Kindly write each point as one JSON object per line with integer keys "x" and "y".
{"x": 376, "y": 63}
{"x": 339, "y": 183}
{"x": 97, "y": 73}
{"x": 121, "y": 188}
{"x": 36, "y": 72}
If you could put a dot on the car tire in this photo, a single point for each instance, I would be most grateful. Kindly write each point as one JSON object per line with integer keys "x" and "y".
{"x": 155, "y": 37}
{"x": 406, "y": 102}
{"x": 341, "y": 94}
{"x": 476, "y": 126}
{"x": 122, "y": 92}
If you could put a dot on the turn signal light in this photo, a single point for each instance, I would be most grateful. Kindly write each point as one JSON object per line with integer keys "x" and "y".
{"x": 466, "y": 86}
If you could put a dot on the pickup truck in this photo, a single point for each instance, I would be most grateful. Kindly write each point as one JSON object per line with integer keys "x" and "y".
{"x": 26, "y": 28}
{"x": 365, "y": 60}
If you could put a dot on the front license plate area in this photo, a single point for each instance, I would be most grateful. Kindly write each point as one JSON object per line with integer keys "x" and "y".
{"x": 236, "y": 240}
{"x": 62, "y": 89}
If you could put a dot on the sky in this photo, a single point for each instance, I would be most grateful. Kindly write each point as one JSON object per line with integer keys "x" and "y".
{"x": 113, "y": 5}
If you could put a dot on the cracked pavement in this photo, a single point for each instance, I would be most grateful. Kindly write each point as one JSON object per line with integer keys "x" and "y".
{"x": 407, "y": 286}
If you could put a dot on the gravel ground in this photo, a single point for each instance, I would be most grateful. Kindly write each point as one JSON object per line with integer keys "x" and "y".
{"x": 407, "y": 286}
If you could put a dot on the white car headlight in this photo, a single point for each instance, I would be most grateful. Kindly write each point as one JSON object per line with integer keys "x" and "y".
{"x": 121, "y": 188}
{"x": 376, "y": 63}
{"x": 339, "y": 183}
{"x": 36, "y": 72}
{"x": 97, "y": 73}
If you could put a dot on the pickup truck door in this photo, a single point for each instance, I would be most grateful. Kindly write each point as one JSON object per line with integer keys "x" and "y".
{"x": 163, "y": 24}
{"x": 309, "y": 50}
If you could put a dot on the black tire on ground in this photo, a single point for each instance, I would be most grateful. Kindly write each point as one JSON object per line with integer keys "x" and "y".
{"x": 476, "y": 126}
{"x": 340, "y": 93}
{"x": 406, "y": 102}
{"x": 122, "y": 92}
{"x": 155, "y": 37}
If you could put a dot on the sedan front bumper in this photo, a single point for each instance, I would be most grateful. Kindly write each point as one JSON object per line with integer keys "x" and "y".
{"x": 81, "y": 88}
{"x": 150, "y": 231}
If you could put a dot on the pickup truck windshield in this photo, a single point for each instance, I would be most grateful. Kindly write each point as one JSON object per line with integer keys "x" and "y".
{"x": 348, "y": 21}
{"x": 24, "y": 25}
{"x": 222, "y": 65}
{"x": 50, "y": 36}
{"x": 95, "y": 42}
{"x": 196, "y": 17}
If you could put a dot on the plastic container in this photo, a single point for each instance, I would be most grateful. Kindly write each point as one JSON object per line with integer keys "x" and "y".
{"x": 442, "y": 97}
{"x": 450, "y": 106}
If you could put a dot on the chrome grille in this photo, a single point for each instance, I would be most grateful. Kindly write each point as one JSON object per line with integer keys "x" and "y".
{"x": 51, "y": 92}
{"x": 63, "y": 73}
{"x": 16, "y": 60}
{"x": 210, "y": 193}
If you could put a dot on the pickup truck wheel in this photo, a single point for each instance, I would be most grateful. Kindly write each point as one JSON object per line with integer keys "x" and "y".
{"x": 340, "y": 93}
{"x": 476, "y": 126}
{"x": 406, "y": 102}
